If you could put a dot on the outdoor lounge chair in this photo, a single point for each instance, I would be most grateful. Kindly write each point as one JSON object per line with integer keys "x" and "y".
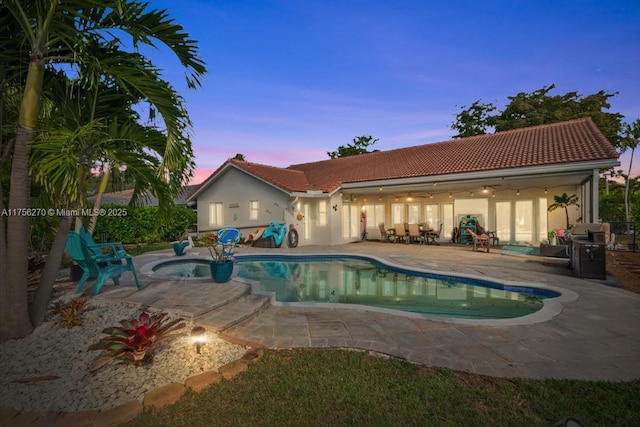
{"x": 479, "y": 241}
{"x": 98, "y": 267}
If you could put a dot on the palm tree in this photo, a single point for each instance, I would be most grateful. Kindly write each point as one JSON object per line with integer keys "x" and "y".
{"x": 69, "y": 32}
{"x": 563, "y": 202}
{"x": 630, "y": 140}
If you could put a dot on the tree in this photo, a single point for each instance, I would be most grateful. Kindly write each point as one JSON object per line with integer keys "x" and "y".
{"x": 474, "y": 120}
{"x": 54, "y": 33}
{"x": 630, "y": 140}
{"x": 359, "y": 146}
{"x": 240, "y": 157}
{"x": 538, "y": 108}
{"x": 563, "y": 202}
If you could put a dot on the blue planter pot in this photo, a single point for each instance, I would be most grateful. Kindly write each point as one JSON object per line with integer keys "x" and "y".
{"x": 178, "y": 248}
{"x": 221, "y": 272}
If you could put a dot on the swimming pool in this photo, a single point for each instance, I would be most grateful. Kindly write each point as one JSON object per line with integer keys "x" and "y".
{"x": 352, "y": 279}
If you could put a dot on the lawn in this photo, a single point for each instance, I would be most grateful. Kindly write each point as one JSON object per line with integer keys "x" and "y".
{"x": 341, "y": 387}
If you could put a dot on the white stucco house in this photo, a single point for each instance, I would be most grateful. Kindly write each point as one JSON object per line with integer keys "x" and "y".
{"x": 507, "y": 180}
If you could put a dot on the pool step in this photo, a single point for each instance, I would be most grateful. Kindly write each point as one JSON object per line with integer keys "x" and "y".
{"x": 235, "y": 313}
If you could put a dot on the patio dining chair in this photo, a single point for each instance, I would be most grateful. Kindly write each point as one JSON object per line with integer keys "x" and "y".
{"x": 432, "y": 236}
{"x": 414, "y": 234}
{"x": 400, "y": 233}
{"x": 385, "y": 234}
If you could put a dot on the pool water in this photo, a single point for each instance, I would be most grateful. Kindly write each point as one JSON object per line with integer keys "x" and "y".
{"x": 358, "y": 280}
{"x": 362, "y": 280}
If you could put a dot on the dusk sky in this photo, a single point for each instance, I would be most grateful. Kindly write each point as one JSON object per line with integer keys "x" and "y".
{"x": 290, "y": 80}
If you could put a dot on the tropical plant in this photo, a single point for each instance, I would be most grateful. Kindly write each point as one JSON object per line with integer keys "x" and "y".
{"x": 136, "y": 338}
{"x": 38, "y": 37}
{"x": 71, "y": 313}
{"x": 630, "y": 140}
{"x": 563, "y": 201}
{"x": 219, "y": 252}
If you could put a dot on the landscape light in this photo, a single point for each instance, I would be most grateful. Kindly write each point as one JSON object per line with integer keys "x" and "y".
{"x": 197, "y": 334}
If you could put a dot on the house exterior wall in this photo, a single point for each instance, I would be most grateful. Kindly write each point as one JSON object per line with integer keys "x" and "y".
{"x": 235, "y": 190}
{"x": 329, "y": 233}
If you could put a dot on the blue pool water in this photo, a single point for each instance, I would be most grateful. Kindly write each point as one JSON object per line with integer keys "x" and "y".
{"x": 365, "y": 281}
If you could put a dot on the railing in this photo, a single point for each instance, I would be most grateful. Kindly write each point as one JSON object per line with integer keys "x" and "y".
{"x": 626, "y": 236}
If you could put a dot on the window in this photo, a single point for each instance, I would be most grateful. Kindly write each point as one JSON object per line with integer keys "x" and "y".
{"x": 503, "y": 221}
{"x": 431, "y": 216}
{"x": 414, "y": 213}
{"x": 397, "y": 213}
{"x": 215, "y": 213}
{"x": 524, "y": 220}
{"x": 375, "y": 215}
{"x": 253, "y": 209}
{"x": 542, "y": 214}
{"x": 322, "y": 212}
{"x": 350, "y": 221}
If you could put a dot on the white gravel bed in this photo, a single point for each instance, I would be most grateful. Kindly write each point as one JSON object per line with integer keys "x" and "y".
{"x": 53, "y": 351}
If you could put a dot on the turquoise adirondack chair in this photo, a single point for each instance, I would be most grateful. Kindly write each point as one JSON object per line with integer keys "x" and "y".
{"x": 91, "y": 266}
{"x": 115, "y": 250}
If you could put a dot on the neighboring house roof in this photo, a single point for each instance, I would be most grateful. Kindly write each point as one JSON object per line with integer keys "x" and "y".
{"x": 558, "y": 143}
{"x": 123, "y": 197}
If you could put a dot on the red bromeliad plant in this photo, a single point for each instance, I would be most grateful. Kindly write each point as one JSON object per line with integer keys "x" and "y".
{"x": 136, "y": 338}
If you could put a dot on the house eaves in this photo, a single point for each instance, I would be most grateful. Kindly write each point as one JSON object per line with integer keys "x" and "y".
{"x": 525, "y": 172}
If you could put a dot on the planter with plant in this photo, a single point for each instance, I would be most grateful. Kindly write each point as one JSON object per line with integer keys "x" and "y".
{"x": 135, "y": 340}
{"x": 180, "y": 246}
{"x": 222, "y": 255}
{"x": 553, "y": 237}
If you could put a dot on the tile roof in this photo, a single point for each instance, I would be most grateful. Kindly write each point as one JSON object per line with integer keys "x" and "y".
{"x": 558, "y": 143}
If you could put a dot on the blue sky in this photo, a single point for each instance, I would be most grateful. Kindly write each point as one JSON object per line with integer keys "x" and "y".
{"x": 290, "y": 80}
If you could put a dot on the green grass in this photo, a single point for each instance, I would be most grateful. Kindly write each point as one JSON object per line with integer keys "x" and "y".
{"x": 339, "y": 387}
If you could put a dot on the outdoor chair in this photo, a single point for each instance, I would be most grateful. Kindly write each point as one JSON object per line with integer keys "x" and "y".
{"x": 385, "y": 234}
{"x": 431, "y": 236}
{"x": 228, "y": 238}
{"x": 493, "y": 236}
{"x": 479, "y": 241}
{"x": 112, "y": 251}
{"x": 414, "y": 233}
{"x": 98, "y": 267}
{"x": 400, "y": 233}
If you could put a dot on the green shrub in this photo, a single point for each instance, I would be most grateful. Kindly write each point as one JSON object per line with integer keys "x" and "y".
{"x": 142, "y": 225}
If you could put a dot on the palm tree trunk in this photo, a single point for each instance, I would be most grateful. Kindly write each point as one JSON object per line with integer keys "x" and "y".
{"x": 627, "y": 211}
{"x": 45, "y": 286}
{"x": 14, "y": 309}
{"x": 98, "y": 202}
